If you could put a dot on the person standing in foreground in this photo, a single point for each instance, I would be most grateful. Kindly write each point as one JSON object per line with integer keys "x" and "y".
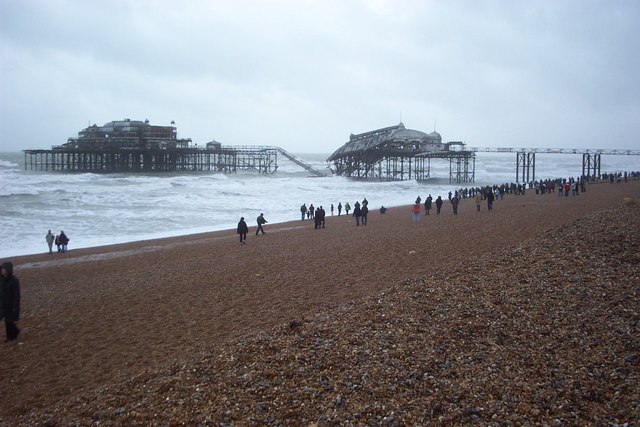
{"x": 260, "y": 220}
{"x": 9, "y": 300}
{"x": 416, "y": 212}
{"x": 490, "y": 198}
{"x": 427, "y": 204}
{"x": 454, "y": 204}
{"x": 243, "y": 229}
{"x": 478, "y": 201}
{"x": 64, "y": 241}
{"x": 50, "y": 238}
{"x": 438, "y": 205}
{"x": 357, "y": 212}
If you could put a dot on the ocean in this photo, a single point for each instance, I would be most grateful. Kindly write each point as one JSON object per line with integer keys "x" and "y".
{"x": 103, "y": 209}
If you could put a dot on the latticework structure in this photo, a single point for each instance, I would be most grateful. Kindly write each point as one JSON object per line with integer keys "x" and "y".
{"x": 396, "y": 153}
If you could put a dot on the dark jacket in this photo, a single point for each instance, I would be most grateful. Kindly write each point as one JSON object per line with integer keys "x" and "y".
{"x": 63, "y": 239}
{"x": 9, "y": 295}
{"x": 242, "y": 227}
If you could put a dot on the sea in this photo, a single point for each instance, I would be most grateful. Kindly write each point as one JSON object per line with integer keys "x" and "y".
{"x": 103, "y": 209}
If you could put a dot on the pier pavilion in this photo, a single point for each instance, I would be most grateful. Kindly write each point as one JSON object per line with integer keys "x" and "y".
{"x": 128, "y": 146}
{"x": 396, "y": 153}
{"x": 134, "y": 146}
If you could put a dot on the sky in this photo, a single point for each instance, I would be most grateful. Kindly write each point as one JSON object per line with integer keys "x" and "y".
{"x": 305, "y": 74}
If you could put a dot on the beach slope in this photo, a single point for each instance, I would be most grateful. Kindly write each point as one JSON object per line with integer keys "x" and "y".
{"x": 528, "y": 313}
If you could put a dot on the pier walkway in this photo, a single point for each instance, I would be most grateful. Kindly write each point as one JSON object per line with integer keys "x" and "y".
{"x": 306, "y": 166}
{"x": 526, "y": 158}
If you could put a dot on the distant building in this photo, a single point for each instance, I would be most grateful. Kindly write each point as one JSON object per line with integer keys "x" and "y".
{"x": 127, "y": 135}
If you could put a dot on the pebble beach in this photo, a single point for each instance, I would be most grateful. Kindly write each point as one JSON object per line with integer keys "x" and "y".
{"x": 528, "y": 314}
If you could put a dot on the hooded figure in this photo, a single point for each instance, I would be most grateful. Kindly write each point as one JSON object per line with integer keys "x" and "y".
{"x": 9, "y": 300}
{"x": 242, "y": 230}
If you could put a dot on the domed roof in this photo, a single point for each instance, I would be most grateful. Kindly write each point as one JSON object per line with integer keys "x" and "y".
{"x": 396, "y": 135}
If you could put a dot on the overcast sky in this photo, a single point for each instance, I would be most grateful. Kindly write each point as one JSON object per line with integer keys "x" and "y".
{"x": 305, "y": 74}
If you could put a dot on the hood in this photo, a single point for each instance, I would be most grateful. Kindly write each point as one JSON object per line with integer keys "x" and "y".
{"x": 9, "y": 267}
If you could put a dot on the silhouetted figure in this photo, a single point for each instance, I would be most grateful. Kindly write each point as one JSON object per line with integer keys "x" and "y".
{"x": 357, "y": 212}
{"x": 243, "y": 229}
{"x": 261, "y": 221}
{"x": 9, "y": 300}
{"x": 438, "y": 205}
{"x": 63, "y": 240}
{"x": 454, "y": 204}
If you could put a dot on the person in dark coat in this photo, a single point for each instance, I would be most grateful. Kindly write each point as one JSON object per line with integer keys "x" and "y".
{"x": 64, "y": 241}
{"x": 427, "y": 204}
{"x": 9, "y": 300}
{"x": 319, "y": 217}
{"x": 454, "y": 204}
{"x": 438, "y": 205}
{"x": 357, "y": 213}
{"x": 243, "y": 229}
{"x": 260, "y": 220}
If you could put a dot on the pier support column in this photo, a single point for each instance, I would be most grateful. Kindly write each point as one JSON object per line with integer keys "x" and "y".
{"x": 525, "y": 162}
{"x": 591, "y": 165}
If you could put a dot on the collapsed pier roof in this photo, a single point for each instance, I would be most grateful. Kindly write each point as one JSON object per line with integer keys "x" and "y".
{"x": 392, "y": 140}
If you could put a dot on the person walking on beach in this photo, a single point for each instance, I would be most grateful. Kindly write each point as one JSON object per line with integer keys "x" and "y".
{"x": 319, "y": 218}
{"x": 261, "y": 221}
{"x": 9, "y": 300}
{"x": 454, "y": 204}
{"x": 63, "y": 240}
{"x": 478, "y": 200}
{"x": 243, "y": 229}
{"x": 339, "y": 208}
{"x": 50, "y": 238}
{"x": 331, "y": 209}
{"x": 347, "y": 208}
{"x": 303, "y": 210}
{"x": 490, "y": 198}
{"x": 427, "y": 204}
{"x": 415, "y": 211}
{"x": 364, "y": 212}
{"x": 357, "y": 212}
{"x": 438, "y": 205}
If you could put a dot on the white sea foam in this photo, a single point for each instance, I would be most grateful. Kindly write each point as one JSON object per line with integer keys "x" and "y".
{"x": 95, "y": 209}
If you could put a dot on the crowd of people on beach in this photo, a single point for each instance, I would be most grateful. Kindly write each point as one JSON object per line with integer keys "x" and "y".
{"x": 481, "y": 195}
